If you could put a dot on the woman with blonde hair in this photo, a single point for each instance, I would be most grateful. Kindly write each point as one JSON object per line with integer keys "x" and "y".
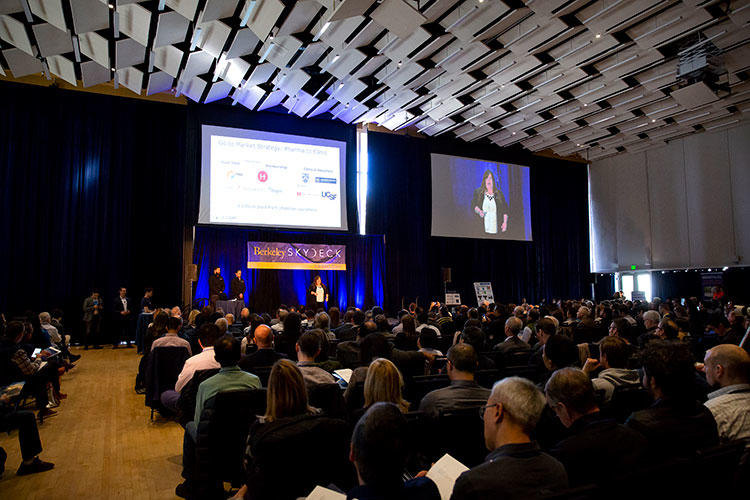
{"x": 384, "y": 383}
{"x": 287, "y": 393}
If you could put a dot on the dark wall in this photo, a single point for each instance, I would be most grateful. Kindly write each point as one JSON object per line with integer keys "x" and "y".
{"x": 554, "y": 264}
{"x": 93, "y": 194}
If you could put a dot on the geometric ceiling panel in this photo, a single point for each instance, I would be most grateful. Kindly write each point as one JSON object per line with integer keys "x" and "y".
{"x": 13, "y": 31}
{"x": 89, "y": 15}
{"x": 96, "y": 47}
{"x": 22, "y": 64}
{"x": 51, "y": 40}
{"x": 49, "y": 10}
{"x": 171, "y": 28}
{"x": 128, "y": 52}
{"x": 62, "y": 67}
{"x": 575, "y": 76}
{"x": 92, "y": 73}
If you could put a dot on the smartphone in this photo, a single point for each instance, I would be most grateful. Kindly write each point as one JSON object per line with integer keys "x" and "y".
{"x": 36, "y": 352}
{"x": 682, "y": 301}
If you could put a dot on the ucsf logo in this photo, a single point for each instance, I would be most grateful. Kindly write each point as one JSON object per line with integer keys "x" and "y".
{"x": 328, "y": 194}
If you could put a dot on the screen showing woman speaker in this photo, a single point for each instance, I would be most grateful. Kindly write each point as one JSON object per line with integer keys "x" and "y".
{"x": 480, "y": 199}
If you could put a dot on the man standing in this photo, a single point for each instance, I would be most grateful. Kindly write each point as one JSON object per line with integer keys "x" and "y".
{"x": 147, "y": 306}
{"x": 237, "y": 286}
{"x": 122, "y": 319}
{"x": 216, "y": 284}
{"x": 92, "y": 308}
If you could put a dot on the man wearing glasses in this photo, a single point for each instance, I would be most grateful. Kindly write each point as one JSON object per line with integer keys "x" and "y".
{"x": 516, "y": 466}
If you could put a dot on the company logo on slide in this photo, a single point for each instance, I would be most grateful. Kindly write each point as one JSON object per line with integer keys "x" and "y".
{"x": 328, "y": 194}
{"x": 262, "y": 176}
{"x": 305, "y": 178}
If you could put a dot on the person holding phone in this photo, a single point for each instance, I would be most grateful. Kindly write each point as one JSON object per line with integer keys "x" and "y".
{"x": 92, "y": 317}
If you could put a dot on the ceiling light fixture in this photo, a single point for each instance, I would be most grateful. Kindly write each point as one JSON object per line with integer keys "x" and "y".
{"x": 523, "y": 35}
{"x": 322, "y": 30}
{"x": 603, "y": 11}
{"x": 462, "y": 18}
{"x": 249, "y": 7}
{"x": 649, "y": 32}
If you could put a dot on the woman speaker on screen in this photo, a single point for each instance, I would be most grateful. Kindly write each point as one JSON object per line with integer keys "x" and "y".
{"x": 489, "y": 205}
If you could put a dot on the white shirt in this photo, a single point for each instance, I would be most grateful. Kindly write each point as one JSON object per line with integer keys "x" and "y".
{"x": 319, "y": 295}
{"x": 202, "y": 361}
{"x": 489, "y": 207}
{"x": 124, "y": 303}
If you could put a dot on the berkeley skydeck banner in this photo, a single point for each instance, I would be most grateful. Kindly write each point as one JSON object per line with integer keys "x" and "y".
{"x": 275, "y": 255}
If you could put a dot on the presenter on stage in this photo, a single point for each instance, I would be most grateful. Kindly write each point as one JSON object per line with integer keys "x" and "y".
{"x": 237, "y": 286}
{"x": 216, "y": 284}
{"x": 489, "y": 205}
{"x": 317, "y": 294}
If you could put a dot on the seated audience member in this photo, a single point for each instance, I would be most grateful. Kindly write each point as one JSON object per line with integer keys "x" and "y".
{"x": 464, "y": 391}
{"x": 428, "y": 342}
{"x": 155, "y": 330}
{"x": 247, "y": 345}
{"x": 724, "y": 332}
{"x": 265, "y": 355}
{"x": 529, "y": 331}
{"x": 516, "y": 467}
{"x": 171, "y": 339}
{"x": 287, "y": 339}
{"x": 226, "y": 351}
{"x": 597, "y": 448}
{"x": 223, "y": 325}
{"x": 277, "y": 325}
{"x": 383, "y": 326}
{"x": 512, "y": 343}
{"x": 16, "y": 366}
{"x": 727, "y": 368}
{"x": 474, "y": 336}
{"x": 423, "y": 319}
{"x": 379, "y": 450}
{"x": 208, "y": 333}
{"x": 292, "y": 433}
{"x": 28, "y": 438}
{"x": 323, "y": 322}
{"x": 613, "y": 358}
{"x": 668, "y": 330}
{"x": 406, "y": 339}
{"x": 558, "y": 352}
{"x": 308, "y": 348}
{"x": 308, "y": 320}
{"x": 56, "y": 337}
{"x": 349, "y": 352}
{"x": 545, "y": 328}
{"x": 234, "y": 327}
{"x": 651, "y": 320}
{"x": 676, "y": 424}
{"x": 384, "y": 383}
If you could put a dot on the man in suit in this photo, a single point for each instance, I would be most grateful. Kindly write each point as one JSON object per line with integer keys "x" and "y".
{"x": 237, "y": 286}
{"x": 92, "y": 317}
{"x": 512, "y": 343}
{"x": 216, "y": 284}
{"x": 123, "y": 313}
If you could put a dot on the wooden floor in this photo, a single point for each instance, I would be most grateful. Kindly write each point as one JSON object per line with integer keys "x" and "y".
{"x": 101, "y": 441}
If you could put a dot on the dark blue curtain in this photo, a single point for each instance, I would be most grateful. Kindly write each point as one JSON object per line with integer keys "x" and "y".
{"x": 93, "y": 195}
{"x": 360, "y": 285}
{"x": 555, "y": 264}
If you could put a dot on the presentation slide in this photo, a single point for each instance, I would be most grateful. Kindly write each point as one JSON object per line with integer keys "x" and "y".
{"x": 253, "y": 178}
{"x": 480, "y": 199}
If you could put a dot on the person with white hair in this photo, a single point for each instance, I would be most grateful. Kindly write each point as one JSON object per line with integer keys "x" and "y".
{"x": 651, "y": 320}
{"x": 223, "y": 325}
{"x": 516, "y": 467}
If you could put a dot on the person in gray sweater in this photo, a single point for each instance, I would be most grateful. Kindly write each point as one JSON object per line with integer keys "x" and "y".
{"x": 613, "y": 357}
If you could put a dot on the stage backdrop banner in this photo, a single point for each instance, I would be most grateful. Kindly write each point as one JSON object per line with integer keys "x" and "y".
{"x": 275, "y": 255}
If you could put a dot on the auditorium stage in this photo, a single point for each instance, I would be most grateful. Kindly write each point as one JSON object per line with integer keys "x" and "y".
{"x": 101, "y": 441}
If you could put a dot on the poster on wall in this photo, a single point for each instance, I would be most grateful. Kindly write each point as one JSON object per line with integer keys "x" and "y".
{"x": 709, "y": 281}
{"x": 483, "y": 291}
{"x": 275, "y": 255}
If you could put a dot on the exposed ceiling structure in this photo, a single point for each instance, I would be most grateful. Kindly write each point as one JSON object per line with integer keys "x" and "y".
{"x": 578, "y": 77}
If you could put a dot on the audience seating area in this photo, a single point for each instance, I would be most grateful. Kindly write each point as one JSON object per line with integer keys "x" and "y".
{"x": 283, "y": 427}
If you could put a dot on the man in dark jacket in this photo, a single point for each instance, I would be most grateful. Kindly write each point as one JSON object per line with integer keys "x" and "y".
{"x": 237, "y": 286}
{"x": 597, "y": 448}
{"x": 676, "y": 424}
{"x": 216, "y": 284}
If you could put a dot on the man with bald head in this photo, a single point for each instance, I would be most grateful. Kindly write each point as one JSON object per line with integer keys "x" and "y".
{"x": 512, "y": 343}
{"x": 516, "y": 467}
{"x": 265, "y": 355}
{"x": 727, "y": 367}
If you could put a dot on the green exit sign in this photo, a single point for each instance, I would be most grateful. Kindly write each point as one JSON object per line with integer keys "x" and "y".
{"x": 632, "y": 268}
